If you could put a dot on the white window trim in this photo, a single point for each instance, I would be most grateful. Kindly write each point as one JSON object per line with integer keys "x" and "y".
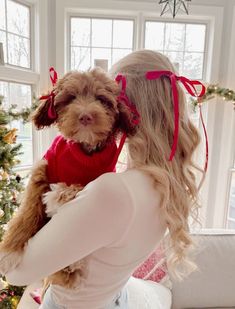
{"x": 212, "y": 15}
{"x": 227, "y": 155}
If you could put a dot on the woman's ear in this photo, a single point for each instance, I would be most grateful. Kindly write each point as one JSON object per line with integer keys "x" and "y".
{"x": 125, "y": 120}
{"x": 40, "y": 116}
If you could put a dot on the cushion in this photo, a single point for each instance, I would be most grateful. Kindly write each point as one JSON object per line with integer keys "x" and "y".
{"x": 212, "y": 285}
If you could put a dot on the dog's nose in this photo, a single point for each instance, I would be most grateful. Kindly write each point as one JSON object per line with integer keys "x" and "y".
{"x": 86, "y": 119}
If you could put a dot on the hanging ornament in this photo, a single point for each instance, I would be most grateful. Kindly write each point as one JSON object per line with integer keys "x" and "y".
{"x": 174, "y": 6}
{"x": 18, "y": 178}
{"x": 3, "y": 175}
{"x": 15, "y": 301}
{"x": 2, "y": 213}
{"x": 10, "y": 137}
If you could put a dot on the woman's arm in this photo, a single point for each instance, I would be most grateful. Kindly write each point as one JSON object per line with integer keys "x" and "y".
{"x": 99, "y": 216}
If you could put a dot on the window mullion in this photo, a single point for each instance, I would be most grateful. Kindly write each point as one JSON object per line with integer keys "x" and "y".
{"x": 112, "y": 44}
{"x": 7, "y": 58}
{"x": 91, "y": 41}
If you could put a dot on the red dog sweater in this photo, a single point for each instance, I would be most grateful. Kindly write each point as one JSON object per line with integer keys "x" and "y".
{"x": 68, "y": 163}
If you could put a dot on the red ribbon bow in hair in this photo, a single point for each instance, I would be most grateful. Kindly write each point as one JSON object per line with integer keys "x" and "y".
{"x": 190, "y": 87}
{"x": 50, "y": 97}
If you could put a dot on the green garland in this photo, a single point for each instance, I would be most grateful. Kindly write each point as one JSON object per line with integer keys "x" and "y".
{"x": 25, "y": 113}
{"x": 214, "y": 90}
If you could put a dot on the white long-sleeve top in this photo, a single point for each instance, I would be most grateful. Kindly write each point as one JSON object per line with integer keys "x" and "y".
{"x": 115, "y": 223}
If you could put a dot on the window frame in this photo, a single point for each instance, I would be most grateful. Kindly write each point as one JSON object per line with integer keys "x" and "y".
{"x": 23, "y": 167}
{"x": 37, "y": 76}
{"x": 93, "y": 16}
{"x": 31, "y": 31}
{"x": 228, "y": 218}
{"x": 181, "y": 21}
{"x": 229, "y": 178}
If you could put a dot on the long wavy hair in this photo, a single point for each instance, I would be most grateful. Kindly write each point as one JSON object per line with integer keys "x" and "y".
{"x": 149, "y": 149}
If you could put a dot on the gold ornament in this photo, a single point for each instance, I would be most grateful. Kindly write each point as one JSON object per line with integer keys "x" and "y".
{"x": 2, "y": 213}
{"x": 15, "y": 301}
{"x": 10, "y": 137}
{"x": 4, "y": 175}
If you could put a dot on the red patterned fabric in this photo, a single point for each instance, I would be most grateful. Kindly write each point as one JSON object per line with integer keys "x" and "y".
{"x": 154, "y": 268}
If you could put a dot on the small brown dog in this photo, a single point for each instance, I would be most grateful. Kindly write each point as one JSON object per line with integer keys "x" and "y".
{"x": 89, "y": 117}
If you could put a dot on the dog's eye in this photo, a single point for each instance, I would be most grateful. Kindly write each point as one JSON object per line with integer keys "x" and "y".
{"x": 105, "y": 101}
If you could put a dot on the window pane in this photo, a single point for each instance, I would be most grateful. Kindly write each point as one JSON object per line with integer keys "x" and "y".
{"x": 154, "y": 35}
{"x": 175, "y": 34}
{"x": 231, "y": 213}
{"x": 111, "y": 39}
{"x": 19, "y": 50}
{"x": 2, "y": 15}
{"x": 101, "y": 53}
{"x": 101, "y": 32}
{"x": 120, "y": 53}
{"x": 4, "y": 93}
{"x": 122, "y": 33}
{"x": 193, "y": 65}
{"x": 195, "y": 38}
{"x": 3, "y": 40}
{"x": 17, "y": 18}
{"x": 80, "y": 58}
{"x": 183, "y": 43}
{"x": 80, "y": 31}
{"x": 231, "y": 225}
{"x": 177, "y": 59}
{"x": 24, "y": 136}
{"x": 19, "y": 95}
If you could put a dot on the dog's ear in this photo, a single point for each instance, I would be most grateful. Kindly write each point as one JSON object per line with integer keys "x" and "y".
{"x": 125, "y": 120}
{"x": 40, "y": 116}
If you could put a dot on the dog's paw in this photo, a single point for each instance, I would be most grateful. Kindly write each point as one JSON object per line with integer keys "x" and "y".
{"x": 50, "y": 199}
{"x": 9, "y": 261}
{"x": 59, "y": 195}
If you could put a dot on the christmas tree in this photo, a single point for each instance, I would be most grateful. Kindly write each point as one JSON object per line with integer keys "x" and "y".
{"x": 10, "y": 187}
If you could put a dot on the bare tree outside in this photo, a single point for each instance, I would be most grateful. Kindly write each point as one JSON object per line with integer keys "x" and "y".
{"x": 182, "y": 43}
{"x": 97, "y": 38}
{"x": 19, "y": 42}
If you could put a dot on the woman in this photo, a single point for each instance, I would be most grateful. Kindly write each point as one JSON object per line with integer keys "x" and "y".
{"x": 119, "y": 219}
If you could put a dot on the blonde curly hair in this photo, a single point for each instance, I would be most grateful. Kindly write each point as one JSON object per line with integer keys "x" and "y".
{"x": 150, "y": 147}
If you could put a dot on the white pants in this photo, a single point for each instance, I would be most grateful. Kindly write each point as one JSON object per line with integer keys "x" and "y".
{"x": 119, "y": 302}
{"x": 136, "y": 294}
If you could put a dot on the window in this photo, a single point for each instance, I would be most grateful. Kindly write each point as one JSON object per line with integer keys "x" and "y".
{"x": 15, "y": 33}
{"x": 231, "y": 209}
{"x": 183, "y": 43}
{"x": 20, "y": 95}
{"x": 98, "y": 38}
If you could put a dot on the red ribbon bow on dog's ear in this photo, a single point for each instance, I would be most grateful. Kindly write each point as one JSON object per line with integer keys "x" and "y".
{"x": 190, "y": 87}
{"x": 50, "y": 97}
{"x": 124, "y": 99}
